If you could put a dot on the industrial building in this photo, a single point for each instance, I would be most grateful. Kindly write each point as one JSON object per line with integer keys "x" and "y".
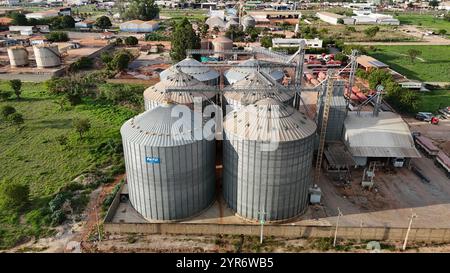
{"x": 331, "y": 18}
{"x": 139, "y": 26}
{"x": 385, "y": 138}
{"x": 269, "y": 142}
{"x": 284, "y": 42}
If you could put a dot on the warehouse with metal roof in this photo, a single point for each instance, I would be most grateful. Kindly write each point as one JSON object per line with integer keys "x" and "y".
{"x": 384, "y": 136}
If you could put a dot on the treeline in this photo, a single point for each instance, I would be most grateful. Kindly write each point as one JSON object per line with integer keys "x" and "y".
{"x": 405, "y": 100}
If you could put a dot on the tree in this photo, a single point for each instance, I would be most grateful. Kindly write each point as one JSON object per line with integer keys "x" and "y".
{"x": 204, "y": 29}
{"x": 409, "y": 101}
{"x": 6, "y": 111}
{"x": 266, "y": 41}
{"x": 433, "y": 3}
{"x": 183, "y": 37}
{"x": 15, "y": 119}
{"x": 13, "y": 195}
{"x": 57, "y": 36}
{"x": 340, "y": 21}
{"x": 4, "y": 95}
{"x": 447, "y": 17}
{"x": 131, "y": 41}
{"x": 121, "y": 60}
{"x": 341, "y": 57}
{"x": 371, "y": 31}
{"x": 442, "y": 32}
{"x": 81, "y": 125}
{"x": 138, "y": 9}
{"x": 19, "y": 19}
{"x": 66, "y": 21}
{"x": 413, "y": 54}
{"x": 378, "y": 76}
{"x": 103, "y": 22}
{"x": 16, "y": 85}
{"x": 350, "y": 29}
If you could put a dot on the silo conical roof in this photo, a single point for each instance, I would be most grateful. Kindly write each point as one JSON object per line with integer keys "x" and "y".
{"x": 247, "y": 67}
{"x": 256, "y": 80}
{"x": 268, "y": 120}
{"x": 191, "y": 67}
{"x": 160, "y": 127}
{"x": 179, "y": 79}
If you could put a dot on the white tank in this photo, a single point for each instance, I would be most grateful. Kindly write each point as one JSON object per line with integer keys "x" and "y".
{"x": 47, "y": 55}
{"x": 18, "y": 56}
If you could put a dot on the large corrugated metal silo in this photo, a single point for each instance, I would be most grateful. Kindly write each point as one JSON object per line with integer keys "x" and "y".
{"x": 47, "y": 55}
{"x": 157, "y": 94}
{"x": 248, "y": 21}
{"x": 170, "y": 174}
{"x": 267, "y": 160}
{"x": 337, "y": 114}
{"x": 222, "y": 43}
{"x": 256, "y": 81}
{"x": 18, "y": 56}
{"x": 194, "y": 68}
{"x": 245, "y": 68}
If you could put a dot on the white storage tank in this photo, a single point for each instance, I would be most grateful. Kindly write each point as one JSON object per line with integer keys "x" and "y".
{"x": 18, "y": 56}
{"x": 249, "y": 66}
{"x": 47, "y": 55}
{"x": 248, "y": 21}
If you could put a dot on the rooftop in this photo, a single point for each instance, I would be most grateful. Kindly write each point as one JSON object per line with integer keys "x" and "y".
{"x": 368, "y": 61}
{"x": 386, "y": 135}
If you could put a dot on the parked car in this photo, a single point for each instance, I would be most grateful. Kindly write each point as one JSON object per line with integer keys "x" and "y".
{"x": 445, "y": 112}
{"x": 424, "y": 116}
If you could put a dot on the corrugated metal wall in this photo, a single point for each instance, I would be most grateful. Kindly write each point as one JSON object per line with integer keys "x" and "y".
{"x": 181, "y": 185}
{"x": 338, "y": 112}
{"x": 276, "y": 182}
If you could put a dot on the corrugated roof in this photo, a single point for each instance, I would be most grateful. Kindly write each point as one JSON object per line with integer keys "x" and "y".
{"x": 238, "y": 73}
{"x": 384, "y": 136}
{"x": 215, "y": 22}
{"x": 268, "y": 120}
{"x": 158, "y": 92}
{"x": 196, "y": 69}
{"x": 158, "y": 128}
{"x": 255, "y": 81}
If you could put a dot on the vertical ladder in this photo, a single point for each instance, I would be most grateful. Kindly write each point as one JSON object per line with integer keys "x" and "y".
{"x": 323, "y": 129}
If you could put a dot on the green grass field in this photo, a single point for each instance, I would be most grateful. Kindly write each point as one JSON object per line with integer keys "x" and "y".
{"x": 30, "y": 154}
{"x": 432, "y": 66}
{"x": 434, "y": 100}
{"x": 425, "y": 21}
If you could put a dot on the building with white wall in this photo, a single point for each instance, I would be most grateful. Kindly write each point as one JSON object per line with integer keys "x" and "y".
{"x": 331, "y": 18}
{"x": 139, "y": 26}
{"x": 282, "y": 42}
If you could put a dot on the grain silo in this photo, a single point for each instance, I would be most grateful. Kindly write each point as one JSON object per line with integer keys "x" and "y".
{"x": 193, "y": 68}
{"x": 245, "y": 68}
{"x": 18, "y": 56}
{"x": 262, "y": 88}
{"x": 267, "y": 160}
{"x": 170, "y": 174}
{"x": 248, "y": 21}
{"x": 157, "y": 94}
{"x": 47, "y": 55}
{"x": 222, "y": 43}
{"x": 231, "y": 23}
{"x": 337, "y": 114}
{"x": 215, "y": 21}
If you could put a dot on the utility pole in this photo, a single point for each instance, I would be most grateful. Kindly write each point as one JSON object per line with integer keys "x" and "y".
{"x": 413, "y": 215}
{"x": 337, "y": 224}
{"x": 261, "y": 216}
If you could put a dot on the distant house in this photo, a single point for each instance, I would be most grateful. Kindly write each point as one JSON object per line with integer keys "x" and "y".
{"x": 368, "y": 63}
{"x": 331, "y": 18}
{"x": 311, "y": 43}
{"x": 38, "y": 40}
{"x": 444, "y": 6}
{"x": 42, "y": 14}
{"x": 139, "y": 26}
{"x": 22, "y": 30}
{"x": 5, "y": 21}
{"x": 85, "y": 24}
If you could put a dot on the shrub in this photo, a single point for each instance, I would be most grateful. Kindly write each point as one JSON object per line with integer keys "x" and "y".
{"x": 57, "y": 36}
{"x": 131, "y": 41}
{"x": 13, "y": 195}
{"x": 6, "y": 110}
{"x": 4, "y": 95}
